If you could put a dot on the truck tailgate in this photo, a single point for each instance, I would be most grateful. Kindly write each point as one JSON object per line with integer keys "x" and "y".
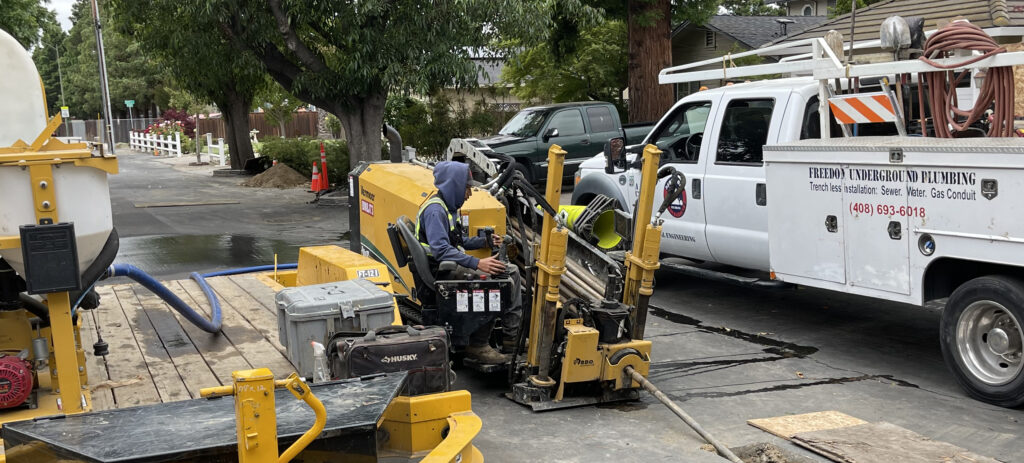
{"x": 859, "y": 212}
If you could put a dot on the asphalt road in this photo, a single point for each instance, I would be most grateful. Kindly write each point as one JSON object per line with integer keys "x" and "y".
{"x": 171, "y": 241}
{"x": 725, "y": 354}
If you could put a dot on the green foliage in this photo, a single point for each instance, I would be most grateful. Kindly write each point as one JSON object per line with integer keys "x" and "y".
{"x": 596, "y": 71}
{"x": 26, "y": 20}
{"x": 844, "y": 6}
{"x": 278, "y": 105}
{"x": 429, "y": 126}
{"x": 132, "y": 74}
{"x": 752, "y": 8}
{"x": 187, "y": 40}
{"x": 347, "y": 57}
{"x": 44, "y": 55}
{"x": 299, "y": 154}
{"x": 185, "y": 101}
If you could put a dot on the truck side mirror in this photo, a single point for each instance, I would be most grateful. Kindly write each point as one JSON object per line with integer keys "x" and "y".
{"x": 550, "y": 133}
{"x": 614, "y": 154}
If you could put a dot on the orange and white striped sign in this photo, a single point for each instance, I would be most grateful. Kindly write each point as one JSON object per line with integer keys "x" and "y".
{"x": 862, "y": 108}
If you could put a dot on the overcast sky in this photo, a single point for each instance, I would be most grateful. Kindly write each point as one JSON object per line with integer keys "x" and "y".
{"x": 63, "y": 9}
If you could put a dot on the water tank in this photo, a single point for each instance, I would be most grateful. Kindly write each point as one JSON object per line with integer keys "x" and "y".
{"x": 82, "y": 195}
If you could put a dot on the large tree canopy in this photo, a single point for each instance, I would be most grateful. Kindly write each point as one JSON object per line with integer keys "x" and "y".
{"x": 26, "y": 20}
{"x": 595, "y": 70}
{"x": 188, "y": 42}
{"x": 346, "y": 57}
{"x": 132, "y": 73}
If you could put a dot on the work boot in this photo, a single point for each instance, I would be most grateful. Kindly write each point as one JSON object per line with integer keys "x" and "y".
{"x": 485, "y": 355}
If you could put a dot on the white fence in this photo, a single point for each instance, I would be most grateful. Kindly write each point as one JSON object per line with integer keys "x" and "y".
{"x": 146, "y": 142}
{"x": 219, "y": 147}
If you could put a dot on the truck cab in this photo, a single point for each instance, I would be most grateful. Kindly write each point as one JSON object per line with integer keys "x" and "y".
{"x": 581, "y": 129}
{"x": 715, "y": 137}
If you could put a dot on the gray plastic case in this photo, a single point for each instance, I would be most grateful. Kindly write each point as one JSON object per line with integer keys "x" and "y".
{"x": 315, "y": 312}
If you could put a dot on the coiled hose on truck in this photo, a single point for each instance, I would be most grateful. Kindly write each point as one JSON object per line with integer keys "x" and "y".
{"x": 997, "y": 87}
{"x": 211, "y": 325}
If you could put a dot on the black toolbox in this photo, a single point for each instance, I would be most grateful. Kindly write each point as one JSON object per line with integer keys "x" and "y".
{"x": 423, "y": 352}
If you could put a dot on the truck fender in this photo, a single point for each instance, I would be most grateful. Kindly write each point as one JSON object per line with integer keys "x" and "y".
{"x": 597, "y": 184}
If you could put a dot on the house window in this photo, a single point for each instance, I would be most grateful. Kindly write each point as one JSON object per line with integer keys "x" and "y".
{"x": 808, "y": 11}
{"x": 709, "y": 39}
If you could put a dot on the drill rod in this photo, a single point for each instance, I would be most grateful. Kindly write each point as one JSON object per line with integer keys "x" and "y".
{"x": 721, "y": 448}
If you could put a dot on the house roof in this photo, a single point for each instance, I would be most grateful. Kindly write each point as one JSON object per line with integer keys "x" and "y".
{"x": 982, "y": 13}
{"x": 754, "y": 31}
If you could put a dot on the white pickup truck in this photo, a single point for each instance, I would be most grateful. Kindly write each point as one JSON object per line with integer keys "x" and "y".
{"x": 907, "y": 219}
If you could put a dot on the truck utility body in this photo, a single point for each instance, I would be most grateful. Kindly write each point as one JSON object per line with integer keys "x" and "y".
{"x": 885, "y": 216}
{"x": 901, "y": 218}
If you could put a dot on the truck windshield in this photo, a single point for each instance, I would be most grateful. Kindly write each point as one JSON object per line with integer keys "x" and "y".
{"x": 524, "y": 124}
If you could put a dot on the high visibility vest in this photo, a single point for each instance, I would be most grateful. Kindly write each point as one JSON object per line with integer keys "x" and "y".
{"x": 454, "y": 232}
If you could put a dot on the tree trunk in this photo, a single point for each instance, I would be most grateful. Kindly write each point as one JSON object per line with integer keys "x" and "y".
{"x": 280, "y": 126}
{"x": 650, "y": 51}
{"x": 363, "y": 120}
{"x": 236, "y": 122}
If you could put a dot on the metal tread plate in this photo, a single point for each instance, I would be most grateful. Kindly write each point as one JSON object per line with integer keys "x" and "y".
{"x": 198, "y": 429}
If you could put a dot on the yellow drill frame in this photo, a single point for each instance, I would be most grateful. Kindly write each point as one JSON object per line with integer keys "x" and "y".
{"x": 69, "y": 377}
{"x": 585, "y": 358}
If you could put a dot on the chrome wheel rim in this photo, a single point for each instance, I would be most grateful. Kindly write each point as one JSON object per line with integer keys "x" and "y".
{"x": 988, "y": 340}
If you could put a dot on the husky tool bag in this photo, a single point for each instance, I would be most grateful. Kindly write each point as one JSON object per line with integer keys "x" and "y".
{"x": 422, "y": 351}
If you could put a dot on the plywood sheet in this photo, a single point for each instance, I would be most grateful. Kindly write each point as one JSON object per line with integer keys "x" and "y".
{"x": 877, "y": 442}
{"x": 788, "y": 425}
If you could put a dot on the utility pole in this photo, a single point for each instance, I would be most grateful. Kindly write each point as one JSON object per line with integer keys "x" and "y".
{"x": 105, "y": 90}
{"x": 60, "y": 78}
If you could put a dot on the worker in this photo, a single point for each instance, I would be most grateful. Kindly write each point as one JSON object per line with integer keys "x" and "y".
{"x": 442, "y": 237}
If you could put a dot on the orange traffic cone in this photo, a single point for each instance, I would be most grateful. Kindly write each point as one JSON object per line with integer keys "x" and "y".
{"x": 315, "y": 184}
{"x": 324, "y": 183}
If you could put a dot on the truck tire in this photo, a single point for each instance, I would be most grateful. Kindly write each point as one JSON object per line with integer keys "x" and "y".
{"x": 526, "y": 169}
{"x": 981, "y": 337}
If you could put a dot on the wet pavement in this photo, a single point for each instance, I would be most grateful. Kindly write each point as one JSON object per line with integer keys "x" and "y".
{"x": 171, "y": 242}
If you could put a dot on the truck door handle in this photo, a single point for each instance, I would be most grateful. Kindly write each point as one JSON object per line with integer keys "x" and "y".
{"x": 895, "y": 230}
{"x": 585, "y": 141}
{"x": 761, "y": 195}
{"x": 695, "y": 189}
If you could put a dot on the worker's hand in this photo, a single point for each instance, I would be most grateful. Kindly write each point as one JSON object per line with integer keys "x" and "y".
{"x": 490, "y": 265}
{"x": 496, "y": 239}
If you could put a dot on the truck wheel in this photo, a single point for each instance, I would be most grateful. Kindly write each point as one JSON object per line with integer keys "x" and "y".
{"x": 525, "y": 170}
{"x": 981, "y": 335}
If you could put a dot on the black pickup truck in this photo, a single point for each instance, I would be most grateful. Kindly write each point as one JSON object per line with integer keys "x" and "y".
{"x": 581, "y": 129}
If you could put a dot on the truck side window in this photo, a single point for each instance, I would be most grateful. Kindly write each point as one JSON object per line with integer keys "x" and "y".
{"x": 680, "y": 136}
{"x": 810, "y": 127}
{"x": 568, "y": 123}
{"x": 600, "y": 119}
{"x": 744, "y": 131}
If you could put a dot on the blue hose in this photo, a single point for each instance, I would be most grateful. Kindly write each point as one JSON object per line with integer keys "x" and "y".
{"x": 258, "y": 268}
{"x": 212, "y": 325}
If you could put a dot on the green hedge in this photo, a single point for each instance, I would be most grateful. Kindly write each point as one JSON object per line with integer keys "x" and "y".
{"x": 299, "y": 154}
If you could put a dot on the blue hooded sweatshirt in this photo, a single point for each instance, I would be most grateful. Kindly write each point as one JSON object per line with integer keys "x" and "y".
{"x": 450, "y": 178}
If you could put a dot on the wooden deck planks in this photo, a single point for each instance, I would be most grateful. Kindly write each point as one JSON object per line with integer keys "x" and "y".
{"x": 125, "y": 364}
{"x": 249, "y": 307}
{"x": 257, "y": 290}
{"x": 165, "y": 376}
{"x": 189, "y": 364}
{"x": 156, "y": 355}
{"x": 218, "y": 351}
{"x": 247, "y": 338}
{"x": 102, "y": 397}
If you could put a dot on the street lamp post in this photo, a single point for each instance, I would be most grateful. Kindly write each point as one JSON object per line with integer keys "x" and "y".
{"x": 60, "y": 78}
{"x": 104, "y": 88}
